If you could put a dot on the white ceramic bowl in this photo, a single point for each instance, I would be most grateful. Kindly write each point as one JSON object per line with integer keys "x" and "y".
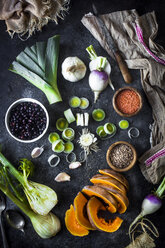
{"x": 14, "y": 104}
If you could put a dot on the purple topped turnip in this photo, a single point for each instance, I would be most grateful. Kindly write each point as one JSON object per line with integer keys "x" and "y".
{"x": 100, "y": 70}
{"x": 150, "y": 204}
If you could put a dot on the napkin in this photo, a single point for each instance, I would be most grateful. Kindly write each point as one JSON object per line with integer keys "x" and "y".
{"x": 22, "y": 16}
{"x": 134, "y": 35}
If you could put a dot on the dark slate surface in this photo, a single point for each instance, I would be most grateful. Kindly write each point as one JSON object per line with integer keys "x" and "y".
{"x": 74, "y": 39}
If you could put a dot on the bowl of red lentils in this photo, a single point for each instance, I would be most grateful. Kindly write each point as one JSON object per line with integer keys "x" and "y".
{"x": 127, "y": 101}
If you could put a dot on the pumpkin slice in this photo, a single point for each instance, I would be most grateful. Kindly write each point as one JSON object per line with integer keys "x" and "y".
{"x": 103, "y": 194}
{"x": 72, "y": 224}
{"x": 93, "y": 207}
{"x": 108, "y": 180}
{"x": 115, "y": 175}
{"x": 80, "y": 203}
{"x": 121, "y": 198}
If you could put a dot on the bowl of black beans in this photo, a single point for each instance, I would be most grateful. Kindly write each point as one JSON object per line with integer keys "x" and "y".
{"x": 26, "y": 120}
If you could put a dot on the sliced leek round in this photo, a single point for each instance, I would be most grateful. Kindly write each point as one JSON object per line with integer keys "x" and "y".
{"x": 61, "y": 124}
{"x": 58, "y": 146}
{"x": 53, "y": 137}
{"x": 68, "y": 147}
{"x": 74, "y": 102}
{"x": 84, "y": 103}
{"x": 68, "y": 134}
{"x": 98, "y": 114}
{"x": 124, "y": 124}
{"x": 109, "y": 128}
{"x": 101, "y": 132}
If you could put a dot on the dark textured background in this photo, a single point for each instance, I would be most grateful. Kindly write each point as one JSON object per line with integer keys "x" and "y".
{"x": 74, "y": 39}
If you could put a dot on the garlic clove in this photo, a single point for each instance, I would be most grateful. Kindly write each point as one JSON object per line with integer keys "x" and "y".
{"x": 37, "y": 151}
{"x": 62, "y": 177}
{"x": 74, "y": 165}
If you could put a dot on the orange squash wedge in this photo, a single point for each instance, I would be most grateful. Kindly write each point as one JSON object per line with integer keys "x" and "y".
{"x": 108, "y": 181}
{"x": 93, "y": 207}
{"x": 72, "y": 224}
{"x": 121, "y": 198}
{"x": 80, "y": 203}
{"x": 103, "y": 194}
{"x": 119, "y": 177}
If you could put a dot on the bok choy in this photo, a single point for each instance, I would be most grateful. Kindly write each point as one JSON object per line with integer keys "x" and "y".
{"x": 38, "y": 64}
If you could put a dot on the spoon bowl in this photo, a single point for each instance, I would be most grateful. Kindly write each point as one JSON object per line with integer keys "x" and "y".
{"x": 15, "y": 219}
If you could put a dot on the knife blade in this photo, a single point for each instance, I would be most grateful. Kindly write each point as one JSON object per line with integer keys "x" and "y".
{"x": 113, "y": 47}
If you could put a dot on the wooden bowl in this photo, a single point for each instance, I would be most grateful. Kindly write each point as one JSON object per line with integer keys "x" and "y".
{"x": 116, "y": 107}
{"x": 132, "y": 163}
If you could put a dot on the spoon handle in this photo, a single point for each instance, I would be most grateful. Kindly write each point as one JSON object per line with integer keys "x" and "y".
{"x": 5, "y": 243}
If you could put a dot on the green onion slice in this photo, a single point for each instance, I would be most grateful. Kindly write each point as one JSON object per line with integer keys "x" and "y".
{"x": 123, "y": 124}
{"x": 101, "y": 132}
{"x": 84, "y": 103}
{"x": 53, "y": 137}
{"x": 69, "y": 115}
{"x": 109, "y": 128}
{"x": 69, "y": 147}
{"x": 98, "y": 114}
{"x": 61, "y": 124}
{"x": 68, "y": 134}
{"x": 74, "y": 102}
{"x": 58, "y": 146}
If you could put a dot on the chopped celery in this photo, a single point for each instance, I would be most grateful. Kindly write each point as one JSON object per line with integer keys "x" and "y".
{"x": 58, "y": 146}
{"x": 68, "y": 134}
{"x": 53, "y": 137}
{"x": 75, "y": 102}
{"x": 69, "y": 116}
{"x": 123, "y": 124}
{"x": 101, "y": 132}
{"x": 69, "y": 147}
{"x": 98, "y": 114}
{"x": 61, "y": 124}
{"x": 84, "y": 103}
{"x": 109, "y": 128}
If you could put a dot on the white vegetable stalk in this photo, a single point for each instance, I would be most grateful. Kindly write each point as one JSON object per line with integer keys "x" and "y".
{"x": 41, "y": 198}
{"x": 73, "y": 69}
{"x": 46, "y": 226}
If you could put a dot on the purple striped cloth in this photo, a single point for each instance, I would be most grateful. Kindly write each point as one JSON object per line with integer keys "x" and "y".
{"x": 159, "y": 154}
{"x": 140, "y": 38}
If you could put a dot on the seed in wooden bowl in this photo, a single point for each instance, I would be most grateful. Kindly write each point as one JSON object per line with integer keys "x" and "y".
{"x": 121, "y": 156}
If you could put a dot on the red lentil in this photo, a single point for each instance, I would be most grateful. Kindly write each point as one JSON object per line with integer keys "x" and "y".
{"x": 128, "y": 101}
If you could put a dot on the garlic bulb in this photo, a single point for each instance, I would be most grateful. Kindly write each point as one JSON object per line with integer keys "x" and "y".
{"x": 73, "y": 69}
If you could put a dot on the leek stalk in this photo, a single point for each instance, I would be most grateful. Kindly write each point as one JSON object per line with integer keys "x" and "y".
{"x": 38, "y": 65}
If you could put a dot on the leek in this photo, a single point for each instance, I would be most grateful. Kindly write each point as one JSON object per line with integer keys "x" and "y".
{"x": 38, "y": 65}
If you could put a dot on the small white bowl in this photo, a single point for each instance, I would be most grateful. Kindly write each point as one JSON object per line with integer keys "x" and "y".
{"x": 14, "y": 104}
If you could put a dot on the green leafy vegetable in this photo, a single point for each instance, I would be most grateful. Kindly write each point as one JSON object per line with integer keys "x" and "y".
{"x": 38, "y": 65}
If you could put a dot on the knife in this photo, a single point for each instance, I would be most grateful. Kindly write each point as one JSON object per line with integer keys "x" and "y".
{"x": 121, "y": 63}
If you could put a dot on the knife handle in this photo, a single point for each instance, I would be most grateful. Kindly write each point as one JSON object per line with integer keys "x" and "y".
{"x": 123, "y": 67}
